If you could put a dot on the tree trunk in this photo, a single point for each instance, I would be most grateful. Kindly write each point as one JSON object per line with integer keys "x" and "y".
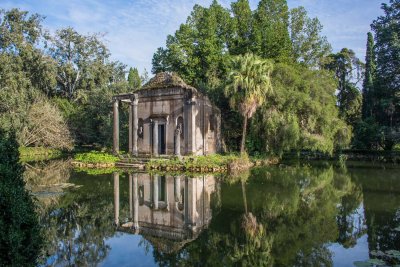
{"x": 243, "y": 145}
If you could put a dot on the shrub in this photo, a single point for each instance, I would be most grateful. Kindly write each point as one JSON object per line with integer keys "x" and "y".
{"x": 95, "y": 157}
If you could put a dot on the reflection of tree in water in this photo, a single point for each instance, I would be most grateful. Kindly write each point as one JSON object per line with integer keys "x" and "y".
{"x": 79, "y": 222}
{"x": 284, "y": 218}
{"x": 47, "y": 180}
{"x": 48, "y": 173}
{"x": 350, "y": 221}
{"x": 381, "y": 191}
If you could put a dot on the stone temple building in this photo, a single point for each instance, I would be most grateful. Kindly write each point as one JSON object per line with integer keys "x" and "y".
{"x": 169, "y": 117}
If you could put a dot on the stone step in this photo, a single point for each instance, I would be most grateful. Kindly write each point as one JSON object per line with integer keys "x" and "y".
{"x": 131, "y": 165}
{"x": 135, "y": 160}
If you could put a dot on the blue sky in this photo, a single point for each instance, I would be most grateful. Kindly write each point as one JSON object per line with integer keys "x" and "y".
{"x": 135, "y": 28}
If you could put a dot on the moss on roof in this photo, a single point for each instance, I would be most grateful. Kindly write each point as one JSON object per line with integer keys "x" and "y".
{"x": 166, "y": 80}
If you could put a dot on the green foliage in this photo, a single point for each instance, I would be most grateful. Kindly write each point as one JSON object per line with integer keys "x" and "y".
{"x": 242, "y": 28}
{"x": 309, "y": 47}
{"x": 134, "y": 80}
{"x": 369, "y": 77}
{"x": 271, "y": 30}
{"x": 20, "y": 233}
{"x": 83, "y": 62}
{"x": 90, "y": 118}
{"x": 381, "y": 92}
{"x": 386, "y": 87}
{"x": 301, "y": 114}
{"x": 348, "y": 70}
{"x": 95, "y": 157}
{"x": 248, "y": 86}
{"x": 367, "y": 134}
{"x": 200, "y": 53}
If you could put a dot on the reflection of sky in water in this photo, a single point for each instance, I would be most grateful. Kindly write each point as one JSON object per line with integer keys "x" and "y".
{"x": 126, "y": 251}
{"x": 342, "y": 256}
{"x": 346, "y": 257}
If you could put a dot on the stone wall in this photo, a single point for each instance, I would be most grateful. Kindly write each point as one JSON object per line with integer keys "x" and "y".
{"x": 200, "y": 120}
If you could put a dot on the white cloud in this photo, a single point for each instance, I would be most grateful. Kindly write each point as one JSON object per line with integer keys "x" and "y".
{"x": 136, "y": 28}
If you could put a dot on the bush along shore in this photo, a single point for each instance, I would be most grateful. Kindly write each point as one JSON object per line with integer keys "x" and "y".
{"x": 94, "y": 159}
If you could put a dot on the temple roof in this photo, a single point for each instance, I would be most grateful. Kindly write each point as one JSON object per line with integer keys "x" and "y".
{"x": 166, "y": 80}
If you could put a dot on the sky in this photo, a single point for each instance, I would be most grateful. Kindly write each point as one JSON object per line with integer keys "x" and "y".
{"x": 134, "y": 29}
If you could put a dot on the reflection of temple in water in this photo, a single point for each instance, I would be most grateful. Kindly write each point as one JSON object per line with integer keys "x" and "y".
{"x": 169, "y": 211}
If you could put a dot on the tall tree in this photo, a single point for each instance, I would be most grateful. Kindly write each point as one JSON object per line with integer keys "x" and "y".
{"x": 22, "y": 64}
{"x": 309, "y": 46}
{"x": 368, "y": 83}
{"x": 387, "y": 49}
{"x": 83, "y": 62}
{"x": 270, "y": 32}
{"x": 348, "y": 70}
{"x": 134, "y": 80}
{"x": 243, "y": 25}
{"x": 247, "y": 86}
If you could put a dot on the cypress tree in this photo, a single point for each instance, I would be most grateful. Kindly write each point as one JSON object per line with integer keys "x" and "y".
{"x": 368, "y": 84}
{"x": 134, "y": 80}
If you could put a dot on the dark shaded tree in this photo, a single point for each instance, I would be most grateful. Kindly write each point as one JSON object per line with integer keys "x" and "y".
{"x": 387, "y": 86}
{"x": 20, "y": 233}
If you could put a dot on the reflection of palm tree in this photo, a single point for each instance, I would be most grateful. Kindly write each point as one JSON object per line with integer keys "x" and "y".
{"x": 244, "y": 196}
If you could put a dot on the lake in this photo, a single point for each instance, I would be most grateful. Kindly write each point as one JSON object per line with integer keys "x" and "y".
{"x": 298, "y": 215}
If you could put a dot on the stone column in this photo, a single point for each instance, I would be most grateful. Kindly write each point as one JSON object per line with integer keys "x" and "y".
{"x": 116, "y": 198}
{"x": 155, "y": 138}
{"x": 190, "y": 127}
{"x": 134, "y": 107}
{"x": 155, "y": 191}
{"x": 186, "y": 202}
{"x": 130, "y": 145}
{"x": 135, "y": 202}
{"x": 177, "y": 188}
{"x": 116, "y": 127}
{"x": 130, "y": 196}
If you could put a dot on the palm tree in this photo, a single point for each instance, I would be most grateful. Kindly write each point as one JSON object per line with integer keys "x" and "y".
{"x": 248, "y": 84}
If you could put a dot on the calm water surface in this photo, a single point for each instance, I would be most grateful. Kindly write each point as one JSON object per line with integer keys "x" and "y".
{"x": 280, "y": 216}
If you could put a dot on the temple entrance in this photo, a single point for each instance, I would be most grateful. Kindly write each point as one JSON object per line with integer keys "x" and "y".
{"x": 161, "y": 139}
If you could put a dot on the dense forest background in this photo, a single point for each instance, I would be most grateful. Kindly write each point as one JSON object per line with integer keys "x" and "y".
{"x": 56, "y": 88}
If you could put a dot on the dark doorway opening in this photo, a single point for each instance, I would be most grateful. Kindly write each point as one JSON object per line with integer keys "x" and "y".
{"x": 161, "y": 139}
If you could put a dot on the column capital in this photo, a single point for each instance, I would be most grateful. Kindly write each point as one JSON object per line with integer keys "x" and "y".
{"x": 134, "y": 99}
{"x": 190, "y": 101}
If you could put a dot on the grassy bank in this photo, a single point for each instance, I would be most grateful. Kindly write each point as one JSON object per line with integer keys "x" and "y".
{"x": 95, "y": 159}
